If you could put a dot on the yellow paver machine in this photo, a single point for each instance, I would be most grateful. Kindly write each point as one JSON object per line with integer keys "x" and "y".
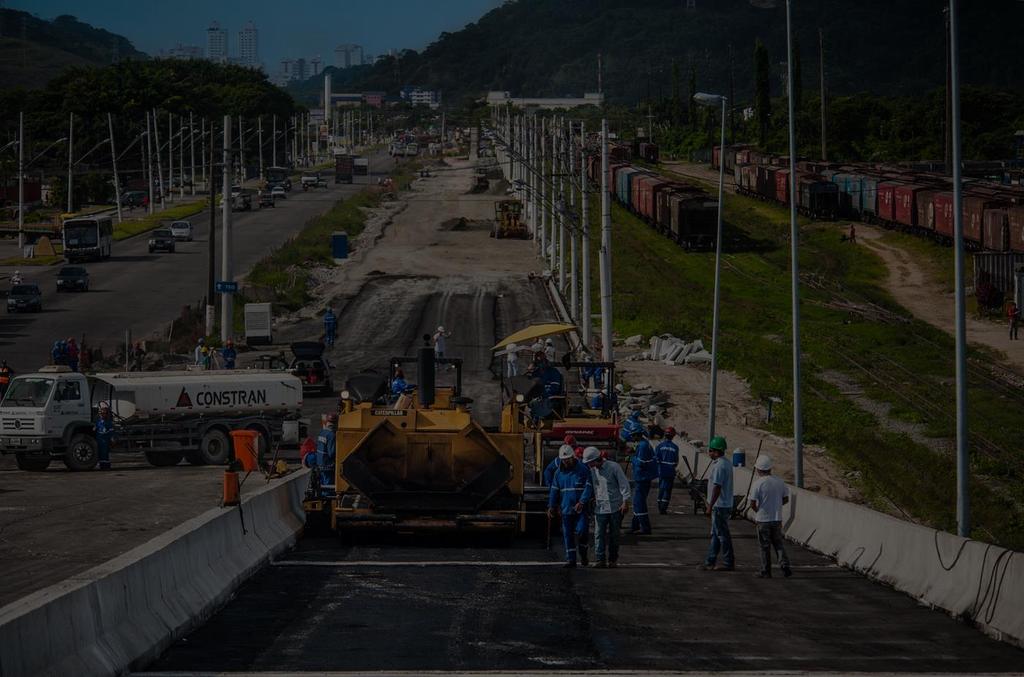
{"x": 508, "y": 221}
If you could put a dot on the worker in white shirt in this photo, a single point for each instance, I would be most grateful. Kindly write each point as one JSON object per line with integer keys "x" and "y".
{"x": 512, "y": 359}
{"x": 767, "y": 497}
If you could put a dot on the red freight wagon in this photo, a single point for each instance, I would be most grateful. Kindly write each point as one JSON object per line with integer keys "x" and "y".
{"x": 639, "y": 186}
{"x": 782, "y": 186}
{"x": 743, "y": 157}
{"x": 1015, "y": 220}
{"x": 926, "y": 209}
{"x": 905, "y": 212}
{"x": 974, "y": 216}
{"x": 887, "y": 201}
{"x": 716, "y": 154}
{"x": 613, "y": 171}
{"x": 943, "y": 214}
{"x": 994, "y": 231}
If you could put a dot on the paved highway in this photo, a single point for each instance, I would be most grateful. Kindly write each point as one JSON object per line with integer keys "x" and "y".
{"x": 143, "y": 292}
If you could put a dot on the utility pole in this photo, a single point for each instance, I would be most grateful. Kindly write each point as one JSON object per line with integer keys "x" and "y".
{"x": 584, "y": 317}
{"x": 192, "y": 152}
{"x": 202, "y": 149}
{"x": 574, "y": 290}
{"x": 241, "y": 151}
{"x": 605, "y": 260}
{"x": 211, "y": 261}
{"x": 794, "y": 244}
{"x": 963, "y": 460}
{"x": 159, "y": 164}
{"x": 226, "y": 273}
{"x": 273, "y": 135}
{"x": 732, "y": 98}
{"x": 181, "y": 157}
{"x": 600, "y": 74}
{"x": 824, "y": 126}
{"x": 113, "y": 155}
{"x": 71, "y": 163}
{"x": 543, "y": 141}
{"x": 21, "y": 182}
{"x": 552, "y": 200}
{"x": 948, "y": 131}
{"x": 170, "y": 156}
{"x": 149, "y": 163}
{"x": 561, "y": 206}
{"x": 259, "y": 136}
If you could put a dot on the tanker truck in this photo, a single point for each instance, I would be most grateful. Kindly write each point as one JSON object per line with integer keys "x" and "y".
{"x": 166, "y": 415}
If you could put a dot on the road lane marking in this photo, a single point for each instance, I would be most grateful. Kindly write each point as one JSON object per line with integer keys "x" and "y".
{"x": 344, "y": 564}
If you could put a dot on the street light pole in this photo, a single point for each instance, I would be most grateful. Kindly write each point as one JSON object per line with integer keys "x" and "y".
{"x": 113, "y": 155}
{"x": 606, "y": 252}
{"x": 192, "y": 153}
{"x": 794, "y": 239}
{"x": 710, "y": 100}
{"x": 259, "y": 139}
{"x": 149, "y": 163}
{"x": 963, "y": 466}
{"x": 574, "y": 289}
{"x": 21, "y": 181}
{"x": 71, "y": 162}
{"x": 211, "y": 262}
{"x": 585, "y": 227}
{"x": 226, "y": 274}
{"x": 273, "y": 131}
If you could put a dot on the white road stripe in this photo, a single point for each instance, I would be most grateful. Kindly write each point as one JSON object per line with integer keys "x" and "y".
{"x": 346, "y": 564}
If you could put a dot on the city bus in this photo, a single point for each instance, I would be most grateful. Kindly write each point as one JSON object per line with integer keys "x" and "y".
{"x": 87, "y": 237}
{"x": 278, "y": 176}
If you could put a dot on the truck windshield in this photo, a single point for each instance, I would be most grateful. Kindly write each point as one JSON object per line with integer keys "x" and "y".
{"x": 80, "y": 236}
{"x": 28, "y": 391}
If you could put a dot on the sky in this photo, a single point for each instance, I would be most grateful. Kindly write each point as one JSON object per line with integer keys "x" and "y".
{"x": 287, "y": 28}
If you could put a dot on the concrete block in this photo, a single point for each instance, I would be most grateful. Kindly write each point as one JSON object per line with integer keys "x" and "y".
{"x": 674, "y": 353}
{"x": 633, "y": 341}
{"x": 699, "y": 357}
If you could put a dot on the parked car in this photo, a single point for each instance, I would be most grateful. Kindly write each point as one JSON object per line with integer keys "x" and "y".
{"x": 266, "y": 199}
{"x": 161, "y": 239}
{"x": 182, "y": 230}
{"x": 277, "y": 192}
{"x": 133, "y": 198}
{"x": 24, "y": 297}
{"x": 270, "y": 362}
{"x": 71, "y": 278}
{"x": 312, "y": 367}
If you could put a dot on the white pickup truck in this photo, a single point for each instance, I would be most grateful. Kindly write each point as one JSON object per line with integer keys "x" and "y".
{"x": 167, "y": 415}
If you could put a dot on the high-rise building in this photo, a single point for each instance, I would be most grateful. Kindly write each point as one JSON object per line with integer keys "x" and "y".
{"x": 249, "y": 47}
{"x": 346, "y": 56}
{"x": 216, "y": 43}
{"x": 300, "y": 69}
{"x": 181, "y": 51}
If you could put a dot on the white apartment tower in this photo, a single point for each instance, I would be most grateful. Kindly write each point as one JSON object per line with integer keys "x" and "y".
{"x": 346, "y": 56}
{"x": 216, "y": 43}
{"x": 248, "y": 46}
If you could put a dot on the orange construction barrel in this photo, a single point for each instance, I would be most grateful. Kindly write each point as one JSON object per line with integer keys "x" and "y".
{"x": 246, "y": 444}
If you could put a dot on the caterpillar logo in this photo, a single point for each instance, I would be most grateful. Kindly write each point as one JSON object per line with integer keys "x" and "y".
{"x": 184, "y": 400}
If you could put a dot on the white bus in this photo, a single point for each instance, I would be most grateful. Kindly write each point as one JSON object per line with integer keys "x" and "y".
{"x": 88, "y": 237}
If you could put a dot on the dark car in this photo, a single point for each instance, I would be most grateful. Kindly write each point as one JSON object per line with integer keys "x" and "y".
{"x": 161, "y": 239}
{"x": 24, "y": 297}
{"x": 73, "y": 278}
{"x": 266, "y": 199}
{"x": 312, "y": 367}
{"x": 134, "y": 198}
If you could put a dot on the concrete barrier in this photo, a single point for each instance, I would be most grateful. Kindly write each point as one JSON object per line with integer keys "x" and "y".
{"x": 122, "y": 614}
{"x": 979, "y": 583}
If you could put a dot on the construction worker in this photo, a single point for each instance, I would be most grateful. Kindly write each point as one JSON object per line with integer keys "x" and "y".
{"x": 667, "y": 455}
{"x": 16, "y": 278}
{"x": 440, "y": 345}
{"x": 631, "y": 426}
{"x": 549, "y": 350}
{"x": 6, "y": 374}
{"x": 537, "y": 347}
{"x": 56, "y": 354}
{"x": 720, "y": 505}
{"x": 570, "y": 492}
{"x": 330, "y": 327}
{"x": 767, "y": 497}
{"x": 611, "y": 502}
{"x": 104, "y": 435}
{"x": 398, "y": 384}
{"x": 1013, "y": 315}
{"x": 198, "y": 351}
{"x": 229, "y": 354}
{"x": 549, "y": 471}
{"x": 72, "y": 349}
{"x": 645, "y": 471}
{"x": 323, "y": 458}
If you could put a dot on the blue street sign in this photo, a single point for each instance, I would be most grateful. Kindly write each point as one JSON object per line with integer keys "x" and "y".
{"x": 226, "y": 287}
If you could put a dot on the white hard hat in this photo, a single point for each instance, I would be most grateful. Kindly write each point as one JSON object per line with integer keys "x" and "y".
{"x": 440, "y": 328}
{"x": 511, "y": 348}
{"x": 591, "y": 454}
{"x": 764, "y": 462}
{"x": 549, "y": 342}
{"x": 565, "y": 452}
{"x": 653, "y": 409}
{"x": 619, "y": 388}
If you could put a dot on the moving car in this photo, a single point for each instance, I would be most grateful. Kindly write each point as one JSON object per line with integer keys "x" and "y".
{"x": 71, "y": 278}
{"x": 161, "y": 239}
{"x": 133, "y": 198}
{"x": 266, "y": 199}
{"x": 312, "y": 367}
{"x": 182, "y": 230}
{"x": 24, "y": 297}
{"x": 278, "y": 192}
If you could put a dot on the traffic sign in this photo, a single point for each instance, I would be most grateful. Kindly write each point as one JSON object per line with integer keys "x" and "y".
{"x": 226, "y": 287}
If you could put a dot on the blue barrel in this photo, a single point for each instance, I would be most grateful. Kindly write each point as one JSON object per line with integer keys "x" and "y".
{"x": 339, "y": 245}
{"x": 739, "y": 458}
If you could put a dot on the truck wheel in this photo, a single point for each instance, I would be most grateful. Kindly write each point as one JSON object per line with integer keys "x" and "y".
{"x": 163, "y": 459}
{"x": 33, "y": 464}
{"x": 82, "y": 453}
{"x": 194, "y": 458}
{"x": 215, "y": 447}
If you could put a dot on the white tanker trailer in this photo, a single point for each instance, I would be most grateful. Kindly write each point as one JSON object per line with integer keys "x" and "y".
{"x": 167, "y": 414}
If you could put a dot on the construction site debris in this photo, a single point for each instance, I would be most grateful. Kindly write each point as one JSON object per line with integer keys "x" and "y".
{"x": 670, "y": 350}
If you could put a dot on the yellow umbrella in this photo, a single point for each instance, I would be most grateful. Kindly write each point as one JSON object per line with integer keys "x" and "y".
{"x": 535, "y": 331}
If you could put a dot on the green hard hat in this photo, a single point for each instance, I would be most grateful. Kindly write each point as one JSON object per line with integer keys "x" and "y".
{"x": 718, "y": 443}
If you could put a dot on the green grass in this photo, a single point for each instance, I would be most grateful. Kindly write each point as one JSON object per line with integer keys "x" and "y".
{"x": 132, "y": 227}
{"x": 660, "y": 288}
{"x": 37, "y": 261}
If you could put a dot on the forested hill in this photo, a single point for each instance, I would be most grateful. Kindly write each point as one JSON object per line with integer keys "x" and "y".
{"x": 33, "y": 50}
{"x": 547, "y": 47}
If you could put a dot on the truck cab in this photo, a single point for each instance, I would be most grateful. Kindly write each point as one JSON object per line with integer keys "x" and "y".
{"x": 46, "y": 414}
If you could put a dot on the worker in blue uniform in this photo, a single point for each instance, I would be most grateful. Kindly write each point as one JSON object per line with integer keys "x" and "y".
{"x": 645, "y": 471}
{"x": 229, "y": 354}
{"x": 631, "y": 426}
{"x": 667, "y": 455}
{"x": 104, "y": 435}
{"x": 571, "y": 491}
{"x": 330, "y": 327}
{"x": 398, "y": 385}
{"x": 322, "y": 462}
